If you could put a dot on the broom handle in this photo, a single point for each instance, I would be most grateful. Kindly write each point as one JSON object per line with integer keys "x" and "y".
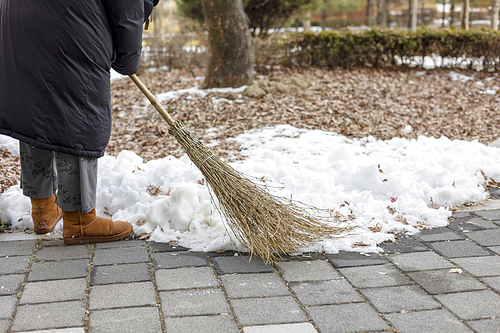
{"x": 152, "y": 99}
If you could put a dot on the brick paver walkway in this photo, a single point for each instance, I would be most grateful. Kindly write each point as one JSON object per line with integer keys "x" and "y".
{"x": 442, "y": 280}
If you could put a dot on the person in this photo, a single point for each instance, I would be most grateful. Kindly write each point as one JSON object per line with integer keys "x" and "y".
{"x": 55, "y": 61}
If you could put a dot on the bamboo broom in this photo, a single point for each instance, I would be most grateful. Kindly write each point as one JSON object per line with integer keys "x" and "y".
{"x": 266, "y": 225}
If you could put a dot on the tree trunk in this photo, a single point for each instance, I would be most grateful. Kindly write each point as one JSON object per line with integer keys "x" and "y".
{"x": 444, "y": 13}
{"x": 410, "y": 13}
{"x": 495, "y": 9}
{"x": 323, "y": 16}
{"x": 452, "y": 12}
{"x": 382, "y": 12}
{"x": 465, "y": 15}
{"x": 306, "y": 21}
{"x": 367, "y": 18}
{"x": 231, "y": 47}
{"x": 414, "y": 15}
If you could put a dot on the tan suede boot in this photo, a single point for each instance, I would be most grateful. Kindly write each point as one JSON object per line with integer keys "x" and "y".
{"x": 45, "y": 213}
{"x": 83, "y": 228}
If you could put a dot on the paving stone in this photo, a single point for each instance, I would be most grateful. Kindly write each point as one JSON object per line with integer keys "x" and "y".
{"x": 325, "y": 292}
{"x": 480, "y": 266}
{"x": 193, "y": 302}
{"x": 353, "y": 259}
{"x": 437, "y": 235}
{"x": 53, "y": 253}
{"x": 4, "y": 325}
{"x": 269, "y": 310}
{"x": 283, "y": 328}
{"x": 59, "y": 330}
{"x": 137, "y": 320}
{"x": 464, "y": 225}
{"x": 241, "y": 264}
{"x": 120, "y": 274}
{"x": 10, "y": 284}
{"x": 426, "y": 321}
{"x": 49, "y": 315}
{"x": 481, "y": 223}
{"x": 493, "y": 282}
{"x": 443, "y": 282}
{"x": 201, "y": 324}
{"x": 122, "y": 244}
{"x": 472, "y": 305}
{"x": 339, "y": 318}
{"x": 122, "y": 295}
{"x": 224, "y": 253}
{"x": 486, "y": 325}
{"x": 18, "y": 248}
{"x": 179, "y": 259}
{"x": 490, "y": 215}
{"x": 459, "y": 249}
{"x": 53, "y": 242}
{"x": 374, "y": 276}
{"x": 54, "y": 291}
{"x": 305, "y": 256}
{"x": 486, "y": 237}
{"x": 495, "y": 249}
{"x": 56, "y": 270}
{"x": 462, "y": 215}
{"x": 115, "y": 256}
{"x": 7, "y": 305}
{"x": 301, "y": 271}
{"x": 254, "y": 285}
{"x": 155, "y": 247}
{"x": 399, "y": 298}
{"x": 185, "y": 278}
{"x": 419, "y": 261}
{"x": 14, "y": 265}
{"x": 403, "y": 244}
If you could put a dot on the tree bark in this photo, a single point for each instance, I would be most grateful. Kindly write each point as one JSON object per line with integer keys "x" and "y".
{"x": 382, "y": 12}
{"x": 306, "y": 21}
{"x": 452, "y": 12}
{"x": 323, "y": 16}
{"x": 231, "y": 47}
{"x": 444, "y": 13}
{"x": 465, "y": 15}
{"x": 367, "y": 17}
{"x": 495, "y": 9}
{"x": 414, "y": 15}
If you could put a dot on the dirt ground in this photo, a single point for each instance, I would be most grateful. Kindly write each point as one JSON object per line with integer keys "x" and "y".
{"x": 354, "y": 103}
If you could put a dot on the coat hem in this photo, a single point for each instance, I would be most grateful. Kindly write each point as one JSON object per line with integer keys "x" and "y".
{"x": 52, "y": 147}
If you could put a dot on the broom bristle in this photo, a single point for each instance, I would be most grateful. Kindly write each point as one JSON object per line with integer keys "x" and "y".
{"x": 266, "y": 225}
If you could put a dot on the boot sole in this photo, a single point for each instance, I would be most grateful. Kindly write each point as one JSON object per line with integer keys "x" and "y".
{"x": 48, "y": 230}
{"x": 103, "y": 239}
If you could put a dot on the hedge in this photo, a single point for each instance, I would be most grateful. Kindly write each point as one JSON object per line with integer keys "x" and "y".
{"x": 473, "y": 49}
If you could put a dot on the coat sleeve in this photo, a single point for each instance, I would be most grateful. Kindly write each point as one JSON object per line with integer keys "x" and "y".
{"x": 125, "y": 19}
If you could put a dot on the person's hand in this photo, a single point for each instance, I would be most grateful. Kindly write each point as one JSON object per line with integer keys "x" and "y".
{"x": 148, "y": 8}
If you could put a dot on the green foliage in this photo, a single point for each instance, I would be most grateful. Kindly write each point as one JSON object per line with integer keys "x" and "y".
{"x": 263, "y": 14}
{"x": 384, "y": 47}
{"x": 345, "y": 6}
{"x": 267, "y": 14}
{"x": 192, "y": 9}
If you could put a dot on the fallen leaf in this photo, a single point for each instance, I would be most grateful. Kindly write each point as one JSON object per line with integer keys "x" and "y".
{"x": 359, "y": 244}
{"x": 376, "y": 228}
{"x": 144, "y": 235}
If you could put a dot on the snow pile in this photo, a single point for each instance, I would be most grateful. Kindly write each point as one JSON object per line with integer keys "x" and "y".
{"x": 387, "y": 186}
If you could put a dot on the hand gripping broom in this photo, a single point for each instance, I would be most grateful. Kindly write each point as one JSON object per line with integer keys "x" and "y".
{"x": 265, "y": 224}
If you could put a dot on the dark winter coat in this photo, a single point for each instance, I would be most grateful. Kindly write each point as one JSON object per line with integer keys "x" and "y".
{"x": 55, "y": 58}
